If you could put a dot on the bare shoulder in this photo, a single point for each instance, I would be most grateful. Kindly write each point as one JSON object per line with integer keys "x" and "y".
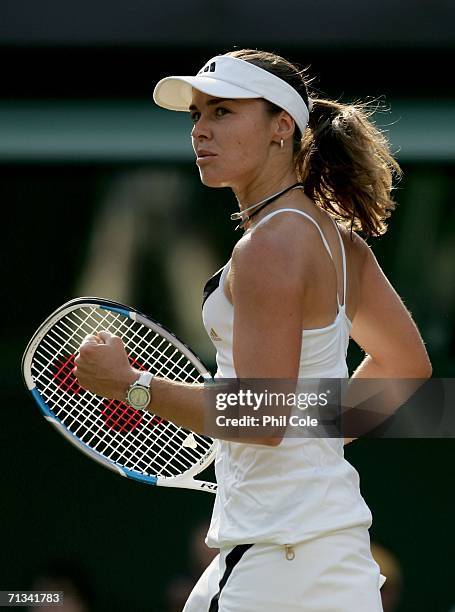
{"x": 355, "y": 246}
{"x": 363, "y": 259}
{"x": 276, "y": 250}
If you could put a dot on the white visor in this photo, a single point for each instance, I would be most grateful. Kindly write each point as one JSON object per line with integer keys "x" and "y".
{"x": 230, "y": 77}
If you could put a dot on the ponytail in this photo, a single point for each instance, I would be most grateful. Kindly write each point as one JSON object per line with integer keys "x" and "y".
{"x": 346, "y": 166}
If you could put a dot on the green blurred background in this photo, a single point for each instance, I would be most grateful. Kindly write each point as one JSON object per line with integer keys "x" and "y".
{"x": 100, "y": 196}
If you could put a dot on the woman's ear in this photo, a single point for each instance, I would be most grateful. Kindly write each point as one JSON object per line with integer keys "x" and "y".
{"x": 284, "y": 127}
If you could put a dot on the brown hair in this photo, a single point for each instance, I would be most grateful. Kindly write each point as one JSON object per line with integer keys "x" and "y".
{"x": 342, "y": 158}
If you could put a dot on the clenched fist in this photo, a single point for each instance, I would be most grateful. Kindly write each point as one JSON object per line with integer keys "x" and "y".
{"x": 102, "y": 366}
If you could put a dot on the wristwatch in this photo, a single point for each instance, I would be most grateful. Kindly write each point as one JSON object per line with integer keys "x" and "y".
{"x": 138, "y": 394}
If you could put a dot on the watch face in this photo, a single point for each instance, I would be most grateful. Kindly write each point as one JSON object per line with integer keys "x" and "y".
{"x": 138, "y": 397}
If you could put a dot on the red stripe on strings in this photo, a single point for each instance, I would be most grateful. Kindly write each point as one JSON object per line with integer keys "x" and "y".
{"x": 123, "y": 418}
{"x": 119, "y": 416}
{"x": 135, "y": 364}
{"x": 64, "y": 375}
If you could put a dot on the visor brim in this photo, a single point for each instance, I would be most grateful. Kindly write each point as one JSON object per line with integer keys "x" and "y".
{"x": 175, "y": 93}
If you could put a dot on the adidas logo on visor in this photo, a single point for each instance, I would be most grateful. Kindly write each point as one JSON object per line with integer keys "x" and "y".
{"x": 209, "y": 68}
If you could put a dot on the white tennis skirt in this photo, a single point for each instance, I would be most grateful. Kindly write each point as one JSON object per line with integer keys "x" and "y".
{"x": 331, "y": 573}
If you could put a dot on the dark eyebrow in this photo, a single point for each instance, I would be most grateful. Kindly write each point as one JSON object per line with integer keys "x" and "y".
{"x": 211, "y": 102}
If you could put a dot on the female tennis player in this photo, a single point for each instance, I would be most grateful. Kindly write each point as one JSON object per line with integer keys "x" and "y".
{"x": 289, "y": 519}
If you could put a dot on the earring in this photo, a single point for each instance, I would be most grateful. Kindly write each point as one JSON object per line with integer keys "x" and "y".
{"x": 281, "y": 143}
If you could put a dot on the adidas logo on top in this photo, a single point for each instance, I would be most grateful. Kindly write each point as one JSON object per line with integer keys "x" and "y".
{"x": 214, "y": 336}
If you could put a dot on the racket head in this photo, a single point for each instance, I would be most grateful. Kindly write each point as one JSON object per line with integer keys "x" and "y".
{"x": 135, "y": 444}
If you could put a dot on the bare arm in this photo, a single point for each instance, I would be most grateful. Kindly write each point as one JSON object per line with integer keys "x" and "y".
{"x": 267, "y": 290}
{"x": 267, "y": 334}
{"x": 103, "y": 368}
{"x": 384, "y": 329}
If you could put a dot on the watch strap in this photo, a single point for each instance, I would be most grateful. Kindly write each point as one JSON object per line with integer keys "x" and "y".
{"x": 144, "y": 380}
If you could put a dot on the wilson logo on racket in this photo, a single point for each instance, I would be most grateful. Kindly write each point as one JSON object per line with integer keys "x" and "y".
{"x": 117, "y": 415}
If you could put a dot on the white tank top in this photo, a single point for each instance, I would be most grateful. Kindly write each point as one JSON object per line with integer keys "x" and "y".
{"x": 304, "y": 487}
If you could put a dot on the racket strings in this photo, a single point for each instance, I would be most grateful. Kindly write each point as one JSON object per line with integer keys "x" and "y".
{"x": 137, "y": 440}
{"x": 83, "y": 428}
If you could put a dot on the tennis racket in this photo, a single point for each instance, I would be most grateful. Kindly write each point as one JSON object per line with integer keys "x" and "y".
{"x": 132, "y": 443}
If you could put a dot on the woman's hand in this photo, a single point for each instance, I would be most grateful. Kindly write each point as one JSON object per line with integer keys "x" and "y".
{"x": 102, "y": 366}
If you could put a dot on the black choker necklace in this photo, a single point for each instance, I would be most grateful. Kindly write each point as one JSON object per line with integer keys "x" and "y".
{"x": 262, "y": 204}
